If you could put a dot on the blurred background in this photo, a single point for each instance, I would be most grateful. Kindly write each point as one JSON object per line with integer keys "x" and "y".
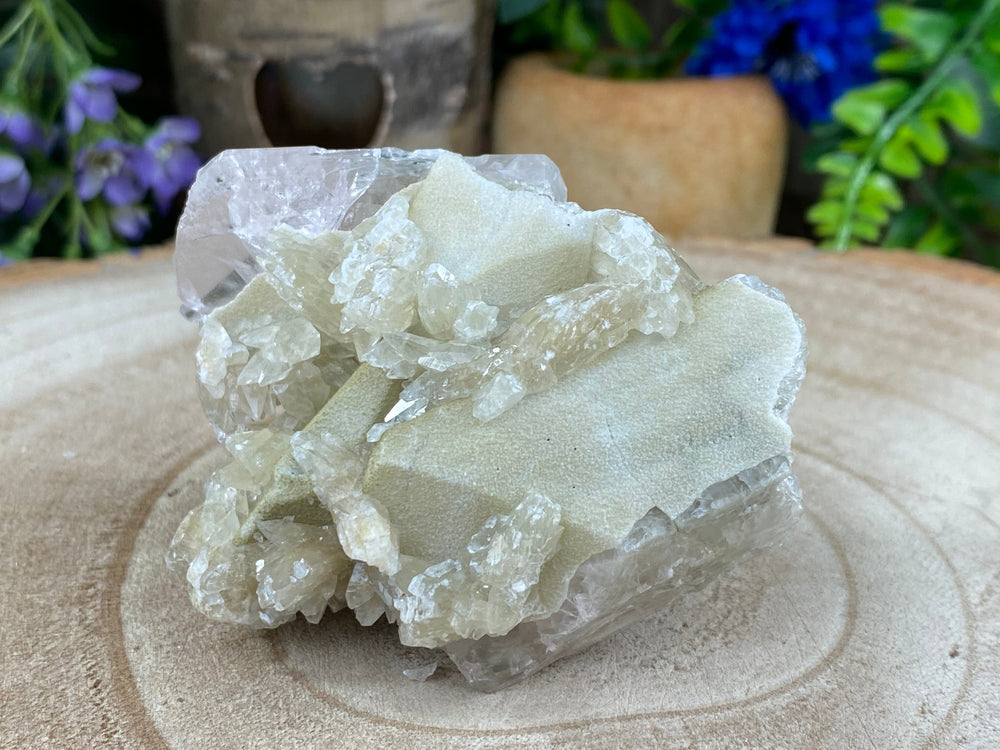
{"x": 846, "y": 123}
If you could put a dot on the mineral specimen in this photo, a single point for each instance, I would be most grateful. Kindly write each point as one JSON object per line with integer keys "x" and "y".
{"x": 455, "y": 400}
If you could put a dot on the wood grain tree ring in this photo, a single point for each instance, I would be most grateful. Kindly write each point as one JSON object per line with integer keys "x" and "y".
{"x": 877, "y": 623}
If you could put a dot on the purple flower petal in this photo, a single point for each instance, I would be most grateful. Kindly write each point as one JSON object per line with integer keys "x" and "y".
{"x": 79, "y": 93}
{"x": 119, "y": 80}
{"x": 93, "y": 95}
{"x": 112, "y": 168}
{"x": 89, "y": 183}
{"x": 101, "y": 104}
{"x": 14, "y": 183}
{"x": 130, "y": 222}
{"x": 38, "y": 196}
{"x": 163, "y": 196}
{"x": 182, "y": 167}
{"x": 146, "y": 167}
{"x": 24, "y": 131}
{"x": 123, "y": 188}
{"x": 10, "y": 167}
{"x": 74, "y": 117}
{"x": 172, "y": 163}
{"x": 183, "y": 129}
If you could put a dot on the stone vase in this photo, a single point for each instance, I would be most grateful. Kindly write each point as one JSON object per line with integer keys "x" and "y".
{"x": 695, "y": 156}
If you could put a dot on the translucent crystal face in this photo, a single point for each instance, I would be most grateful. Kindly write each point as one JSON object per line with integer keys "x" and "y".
{"x": 454, "y": 400}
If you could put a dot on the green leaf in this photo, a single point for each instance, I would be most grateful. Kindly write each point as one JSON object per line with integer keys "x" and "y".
{"x": 546, "y": 25}
{"x": 509, "y": 11}
{"x": 940, "y": 239}
{"x": 987, "y": 184}
{"x": 956, "y": 103}
{"x": 929, "y": 31}
{"x": 835, "y": 187}
{"x": 899, "y": 61}
{"x": 628, "y": 28}
{"x": 881, "y": 187}
{"x": 856, "y": 145}
{"x": 899, "y": 159}
{"x": 866, "y": 231}
{"x": 825, "y": 212}
{"x": 865, "y": 108}
{"x": 863, "y": 117}
{"x": 873, "y": 211}
{"x": 906, "y": 227}
{"x": 703, "y": 8}
{"x": 925, "y": 134}
{"x": 991, "y": 35}
{"x": 890, "y": 92}
{"x": 839, "y": 164}
{"x": 676, "y": 44}
{"x": 988, "y": 64}
{"x": 577, "y": 35}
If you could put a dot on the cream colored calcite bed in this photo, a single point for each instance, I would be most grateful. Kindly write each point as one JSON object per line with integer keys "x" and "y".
{"x": 476, "y": 406}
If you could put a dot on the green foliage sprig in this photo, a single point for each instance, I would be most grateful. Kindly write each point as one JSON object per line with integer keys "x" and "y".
{"x": 909, "y": 170}
{"x": 576, "y": 27}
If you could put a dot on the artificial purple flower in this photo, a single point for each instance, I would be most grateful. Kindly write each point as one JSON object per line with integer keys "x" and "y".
{"x": 14, "y": 183}
{"x": 92, "y": 95}
{"x": 22, "y": 129}
{"x": 112, "y": 168}
{"x": 130, "y": 222}
{"x": 170, "y": 164}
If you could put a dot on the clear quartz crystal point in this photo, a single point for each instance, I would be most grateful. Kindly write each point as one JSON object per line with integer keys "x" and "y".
{"x": 455, "y": 400}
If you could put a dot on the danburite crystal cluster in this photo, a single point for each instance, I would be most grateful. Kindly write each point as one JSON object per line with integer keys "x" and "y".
{"x": 454, "y": 400}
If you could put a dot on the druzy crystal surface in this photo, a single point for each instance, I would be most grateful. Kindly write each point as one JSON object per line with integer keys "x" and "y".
{"x": 455, "y": 400}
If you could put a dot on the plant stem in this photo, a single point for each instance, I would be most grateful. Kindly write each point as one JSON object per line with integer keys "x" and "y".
{"x": 45, "y": 14}
{"x": 73, "y": 18}
{"x": 14, "y": 75}
{"x": 73, "y": 249}
{"x": 132, "y": 125}
{"x": 15, "y": 23}
{"x": 865, "y": 165}
{"x": 43, "y": 216}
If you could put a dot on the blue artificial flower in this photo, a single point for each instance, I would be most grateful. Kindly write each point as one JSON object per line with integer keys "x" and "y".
{"x": 15, "y": 182}
{"x": 169, "y": 165}
{"x": 22, "y": 129}
{"x": 813, "y": 50}
{"x": 111, "y": 168}
{"x": 130, "y": 222}
{"x": 92, "y": 95}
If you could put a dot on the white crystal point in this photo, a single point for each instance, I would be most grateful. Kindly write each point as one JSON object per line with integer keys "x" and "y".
{"x": 453, "y": 399}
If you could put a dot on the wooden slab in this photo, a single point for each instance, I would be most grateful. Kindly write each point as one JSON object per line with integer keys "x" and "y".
{"x": 876, "y": 624}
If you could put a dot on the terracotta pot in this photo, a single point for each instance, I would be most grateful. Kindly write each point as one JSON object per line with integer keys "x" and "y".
{"x": 695, "y": 156}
